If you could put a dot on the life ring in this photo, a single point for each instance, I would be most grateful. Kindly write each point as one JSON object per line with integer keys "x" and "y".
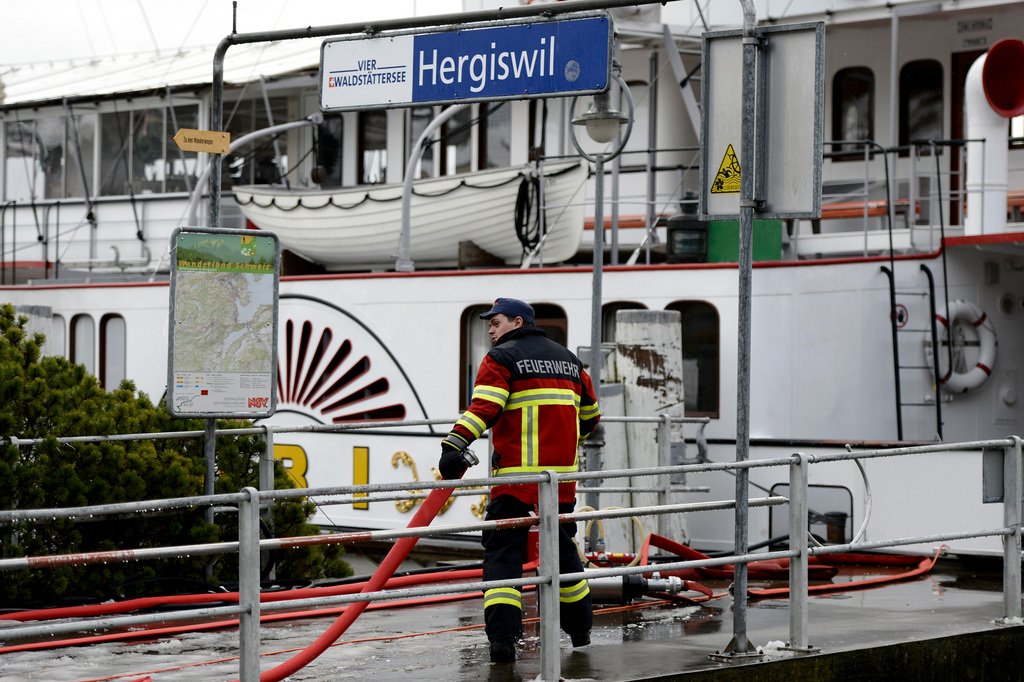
{"x": 964, "y": 379}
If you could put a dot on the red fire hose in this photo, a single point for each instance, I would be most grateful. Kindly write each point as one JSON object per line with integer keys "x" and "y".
{"x": 426, "y": 513}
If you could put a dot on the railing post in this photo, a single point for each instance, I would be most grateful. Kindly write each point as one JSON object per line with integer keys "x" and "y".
{"x": 664, "y": 460}
{"x": 266, "y": 473}
{"x": 1011, "y": 519}
{"x": 547, "y": 592}
{"x": 249, "y": 586}
{"x": 798, "y": 564}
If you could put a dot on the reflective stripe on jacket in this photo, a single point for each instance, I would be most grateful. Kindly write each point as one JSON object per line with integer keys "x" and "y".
{"x": 539, "y": 404}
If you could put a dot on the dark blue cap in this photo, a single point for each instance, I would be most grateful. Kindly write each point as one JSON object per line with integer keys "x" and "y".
{"x": 511, "y": 308}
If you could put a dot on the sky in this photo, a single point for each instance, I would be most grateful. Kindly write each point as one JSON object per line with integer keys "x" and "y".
{"x": 76, "y": 29}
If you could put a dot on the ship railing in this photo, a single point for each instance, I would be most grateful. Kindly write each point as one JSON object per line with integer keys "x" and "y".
{"x": 547, "y": 578}
{"x": 907, "y": 198}
{"x": 644, "y": 188}
{"x": 40, "y": 239}
{"x": 875, "y": 199}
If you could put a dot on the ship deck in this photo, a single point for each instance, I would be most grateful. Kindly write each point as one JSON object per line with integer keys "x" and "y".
{"x": 943, "y": 625}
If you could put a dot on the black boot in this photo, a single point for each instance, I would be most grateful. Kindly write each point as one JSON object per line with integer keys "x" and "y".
{"x": 579, "y": 639}
{"x": 503, "y": 652}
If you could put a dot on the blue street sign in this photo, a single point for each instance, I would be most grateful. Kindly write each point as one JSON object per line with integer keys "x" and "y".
{"x": 489, "y": 62}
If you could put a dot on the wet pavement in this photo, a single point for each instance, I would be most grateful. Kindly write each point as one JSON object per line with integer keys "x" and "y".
{"x": 641, "y": 642}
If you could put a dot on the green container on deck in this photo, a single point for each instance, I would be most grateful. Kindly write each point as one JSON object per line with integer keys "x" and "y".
{"x": 724, "y": 240}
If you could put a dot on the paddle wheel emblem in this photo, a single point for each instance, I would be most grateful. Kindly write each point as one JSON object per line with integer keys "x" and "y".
{"x": 333, "y": 369}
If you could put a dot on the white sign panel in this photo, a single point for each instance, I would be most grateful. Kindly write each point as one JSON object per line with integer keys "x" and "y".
{"x": 789, "y": 110}
{"x": 484, "y": 63}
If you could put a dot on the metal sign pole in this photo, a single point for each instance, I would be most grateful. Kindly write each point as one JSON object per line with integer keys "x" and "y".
{"x": 740, "y": 646}
{"x": 776, "y": 176}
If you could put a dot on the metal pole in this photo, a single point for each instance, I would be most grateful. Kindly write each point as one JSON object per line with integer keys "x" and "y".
{"x": 404, "y": 263}
{"x": 614, "y": 256}
{"x": 217, "y": 125}
{"x": 740, "y": 645}
{"x": 249, "y": 586}
{"x": 210, "y": 456}
{"x": 1011, "y": 519}
{"x": 547, "y": 596}
{"x": 652, "y": 156}
{"x": 595, "y": 301}
{"x": 616, "y": 165}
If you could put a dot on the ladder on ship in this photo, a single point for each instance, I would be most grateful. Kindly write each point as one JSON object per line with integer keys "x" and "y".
{"x": 898, "y": 318}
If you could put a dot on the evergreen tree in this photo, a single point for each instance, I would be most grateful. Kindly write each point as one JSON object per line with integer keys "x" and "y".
{"x": 49, "y": 397}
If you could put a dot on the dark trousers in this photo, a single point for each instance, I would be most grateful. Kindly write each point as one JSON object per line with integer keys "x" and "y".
{"x": 504, "y": 556}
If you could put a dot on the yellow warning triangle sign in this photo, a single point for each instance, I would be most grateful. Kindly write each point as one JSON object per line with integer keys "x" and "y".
{"x": 728, "y": 179}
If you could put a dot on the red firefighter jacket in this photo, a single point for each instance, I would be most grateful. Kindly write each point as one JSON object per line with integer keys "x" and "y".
{"x": 540, "y": 406}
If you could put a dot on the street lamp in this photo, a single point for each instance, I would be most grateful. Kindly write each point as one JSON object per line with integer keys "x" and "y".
{"x": 603, "y": 125}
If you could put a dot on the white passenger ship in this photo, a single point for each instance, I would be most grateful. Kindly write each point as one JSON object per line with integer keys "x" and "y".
{"x": 913, "y": 203}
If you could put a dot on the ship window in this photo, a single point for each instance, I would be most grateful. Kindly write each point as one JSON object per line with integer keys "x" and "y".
{"x": 21, "y": 172}
{"x": 329, "y": 147}
{"x": 56, "y": 342}
{"x": 138, "y": 154}
{"x": 829, "y": 513}
{"x": 112, "y": 351}
{"x": 114, "y": 159}
{"x": 494, "y": 135}
{"x": 639, "y": 137}
{"x": 538, "y": 132}
{"x": 701, "y": 351}
{"x": 475, "y": 343}
{"x": 853, "y": 107}
{"x": 373, "y": 152}
{"x": 180, "y": 165}
{"x": 147, "y": 144}
{"x": 608, "y": 311}
{"x": 920, "y": 102}
{"x": 83, "y": 343}
{"x": 258, "y": 163}
{"x": 50, "y": 153}
{"x": 474, "y": 346}
{"x": 1017, "y": 132}
{"x": 35, "y": 159}
{"x": 551, "y": 318}
{"x": 455, "y": 143}
{"x": 419, "y": 119}
{"x": 85, "y": 137}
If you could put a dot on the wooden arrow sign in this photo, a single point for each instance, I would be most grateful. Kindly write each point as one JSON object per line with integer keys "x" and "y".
{"x": 202, "y": 141}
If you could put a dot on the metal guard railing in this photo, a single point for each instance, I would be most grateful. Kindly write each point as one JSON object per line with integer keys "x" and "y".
{"x": 547, "y": 579}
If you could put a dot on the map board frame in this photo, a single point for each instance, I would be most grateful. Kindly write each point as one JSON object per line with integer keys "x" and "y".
{"x": 232, "y": 371}
{"x": 789, "y": 114}
{"x": 373, "y": 72}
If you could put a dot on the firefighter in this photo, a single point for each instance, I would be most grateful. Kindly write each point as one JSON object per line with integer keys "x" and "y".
{"x": 540, "y": 406}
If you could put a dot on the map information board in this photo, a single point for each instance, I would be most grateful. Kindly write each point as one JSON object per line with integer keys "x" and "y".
{"x": 222, "y": 350}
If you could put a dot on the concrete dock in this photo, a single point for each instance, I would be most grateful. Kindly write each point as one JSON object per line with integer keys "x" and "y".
{"x": 946, "y": 625}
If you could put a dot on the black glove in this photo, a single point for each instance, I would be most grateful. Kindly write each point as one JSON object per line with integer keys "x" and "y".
{"x": 452, "y": 464}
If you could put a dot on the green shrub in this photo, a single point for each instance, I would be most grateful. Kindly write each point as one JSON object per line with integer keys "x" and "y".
{"x": 48, "y": 397}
